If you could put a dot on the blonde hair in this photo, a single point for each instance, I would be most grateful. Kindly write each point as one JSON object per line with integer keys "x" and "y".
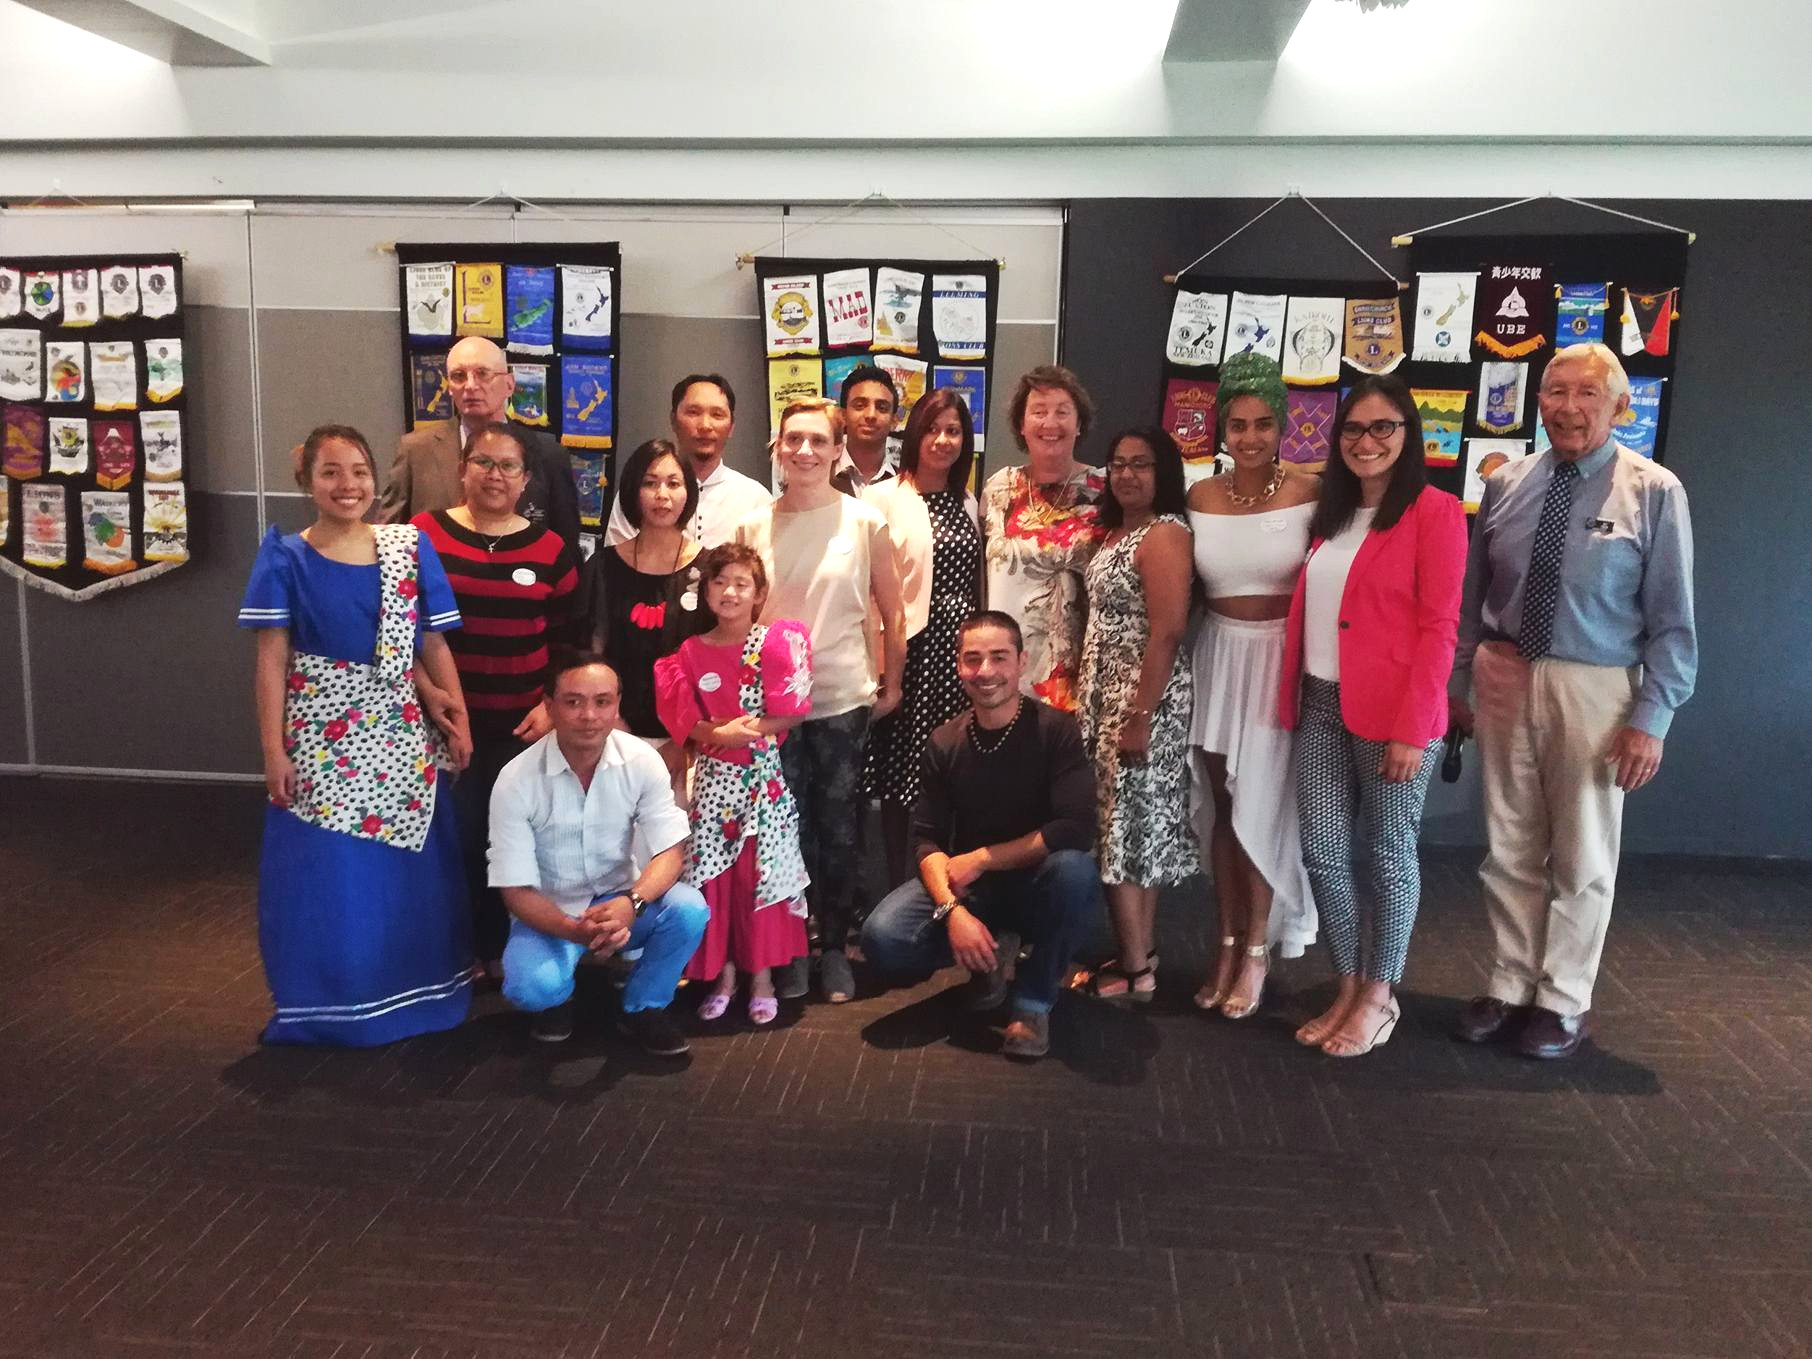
{"x": 813, "y": 405}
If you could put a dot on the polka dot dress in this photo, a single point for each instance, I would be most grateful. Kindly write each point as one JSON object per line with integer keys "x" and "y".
{"x": 932, "y": 694}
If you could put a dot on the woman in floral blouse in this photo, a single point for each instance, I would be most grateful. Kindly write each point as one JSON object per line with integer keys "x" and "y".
{"x": 1042, "y": 529}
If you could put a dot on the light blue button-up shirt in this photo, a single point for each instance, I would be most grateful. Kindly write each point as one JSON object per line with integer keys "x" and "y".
{"x": 1625, "y": 574}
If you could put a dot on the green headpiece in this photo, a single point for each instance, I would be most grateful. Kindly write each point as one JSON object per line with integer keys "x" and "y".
{"x": 1251, "y": 374}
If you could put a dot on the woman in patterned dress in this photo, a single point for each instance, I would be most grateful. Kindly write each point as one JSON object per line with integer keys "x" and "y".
{"x": 937, "y": 538}
{"x": 733, "y": 694}
{"x": 362, "y": 919}
{"x": 1041, "y": 529}
{"x": 1133, "y": 703}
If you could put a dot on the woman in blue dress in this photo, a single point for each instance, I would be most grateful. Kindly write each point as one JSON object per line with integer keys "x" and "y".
{"x": 362, "y": 912}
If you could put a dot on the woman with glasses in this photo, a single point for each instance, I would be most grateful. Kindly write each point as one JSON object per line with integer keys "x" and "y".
{"x": 1367, "y": 656}
{"x": 513, "y": 581}
{"x": 1251, "y": 528}
{"x": 1134, "y": 697}
{"x": 828, "y": 557}
{"x": 639, "y": 599}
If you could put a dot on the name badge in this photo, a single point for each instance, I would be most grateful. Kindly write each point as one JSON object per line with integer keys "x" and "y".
{"x": 1272, "y": 523}
{"x": 688, "y": 601}
{"x": 523, "y": 576}
{"x": 710, "y": 682}
{"x": 1600, "y": 525}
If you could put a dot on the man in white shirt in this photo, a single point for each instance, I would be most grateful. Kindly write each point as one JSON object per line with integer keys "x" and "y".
{"x": 564, "y": 815}
{"x": 702, "y": 415}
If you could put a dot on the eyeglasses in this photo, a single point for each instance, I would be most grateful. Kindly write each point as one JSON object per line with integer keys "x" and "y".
{"x": 1380, "y": 430}
{"x": 1137, "y": 465}
{"x": 503, "y": 469}
{"x": 461, "y": 377}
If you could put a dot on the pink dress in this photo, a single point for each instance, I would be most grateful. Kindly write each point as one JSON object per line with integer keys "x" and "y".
{"x": 744, "y": 855}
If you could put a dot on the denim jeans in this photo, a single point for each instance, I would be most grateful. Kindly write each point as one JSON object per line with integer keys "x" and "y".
{"x": 1052, "y": 907}
{"x": 823, "y": 763}
{"x": 538, "y": 968}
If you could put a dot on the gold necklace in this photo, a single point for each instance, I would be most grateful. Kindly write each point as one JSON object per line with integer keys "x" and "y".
{"x": 1041, "y": 511}
{"x": 1247, "y": 501}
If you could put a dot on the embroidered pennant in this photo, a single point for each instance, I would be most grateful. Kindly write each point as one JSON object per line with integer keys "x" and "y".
{"x": 1198, "y": 329}
{"x": 971, "y": 384}
{"x": 1516, "y": 309}
{"x": 44, "y": 513}
{"x": 1483, "y": 457}
{"x": 161, "y": 433}
{"x": 1639, "y": 426}
{"x": 898, "y": 295}
{"x": 65, "y": 371}
{"x": 1580, "y": 313}
{"x": 107, "y": 532}
{"x": 528, "y": 292}
{"x": 157, "y": 290}
{"x": 12, "y": 297}
{"x": 119, "y": 292}
{"x": 791, "y": 380}
{"x": 21, "y": 366}
{"x": 959, "y": 315}
{"x": 115, "y": 453}
{"x": 1255, "y": 323}
{"x": 68, "y": 446}
{"x": 43, "y": 297}
{"x": 528, "y": 402}
{"x": 428, "y": 378}
{"x": 1444, "y": 317}
{"x": 848, "y": 312}
{"x": 1648, "y": 321}
{"x": 1189, "y": 416}
{"x": 428, "y": 299}
{"x": 81, "y": 297}
{"x": 587, "y": 396}
{"x": 478, "y": 289}
{"x": 113, "y": 368}
{"x": 790, "y": 311}
{"x": 909, "y": 377}
{"x": 163, "y": 369}
{"x": 23, "y": 451}
{"x": 1309, "y": 431}
{"x": 1312, "y": 340}
{"x": 588, "y": 485}
{"x": 1443, "y": 418}
{"x": 586, "y": 293}
{"x": 1374, "y": 334}
{"x": 1501, "y": 393}
{"x": 166, "y": 524}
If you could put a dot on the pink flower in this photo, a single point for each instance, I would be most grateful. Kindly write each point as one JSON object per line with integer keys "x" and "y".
{"x": 749, "y": 675}
{"x": 406, "y": 588}
{"x": 353, "y": 715}
{"x": 732, "y": 829}
{"x": 411, "y": 713}
{"x": 298, "y": 681}
{"x": 415, "y": 804}
{"x": 342, "y": 760}
{"x": 428, "y": 776}
{"x": 775, "y": 789}
{"x": 340, "y": 665}
{"x": 372, "y": 824}
{"x": 334, "y": 730}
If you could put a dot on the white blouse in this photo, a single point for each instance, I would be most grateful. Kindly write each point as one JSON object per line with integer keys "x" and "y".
{"x": 1324, "y": 586}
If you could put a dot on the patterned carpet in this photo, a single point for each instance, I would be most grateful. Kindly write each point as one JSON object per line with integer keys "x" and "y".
{"x": 871, "y": 1179}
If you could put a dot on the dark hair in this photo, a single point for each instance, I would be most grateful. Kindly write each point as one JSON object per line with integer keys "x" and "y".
{"x": 717, "y": 380}
{"x": 1340, "y": 488}
{"x": 635, "y": 467}
{"x": 310, "y": 448}
{"x": 715, "y": 559}
{"x": 918, "y": 425}
{"x": 868, "y": 372}
{"x": 1045, "y": 378}
{"x": 566, "y": 658}
{"x": 1170, "y": 496}
{"x": 497, "y": 429}
{"x": 990, "y": 618}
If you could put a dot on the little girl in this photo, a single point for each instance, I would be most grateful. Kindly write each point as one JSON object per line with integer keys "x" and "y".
{"x": 733, "y": 693}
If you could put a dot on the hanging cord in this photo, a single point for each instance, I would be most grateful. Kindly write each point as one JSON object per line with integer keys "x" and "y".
{"x": 747, "y": 257}
{"x": 1408, "y": 237}
{"x": 1312, "y": 207}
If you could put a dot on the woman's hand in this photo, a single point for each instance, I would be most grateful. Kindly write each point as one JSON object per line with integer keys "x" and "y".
{"x": 886, "y": 703}
{"x": 459, "y": 744}
{"x": 280, "y": 779}
{"x": 1401, "y": 762}
{"x": 1135, "y": 736}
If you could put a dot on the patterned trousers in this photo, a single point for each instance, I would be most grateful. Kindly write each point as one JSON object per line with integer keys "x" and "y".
{"x": 823, "y": 762}
{"x": 1339, "y": 791}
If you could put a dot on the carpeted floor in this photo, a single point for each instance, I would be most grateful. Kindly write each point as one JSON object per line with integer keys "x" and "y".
{"x": 873, "y": 1180}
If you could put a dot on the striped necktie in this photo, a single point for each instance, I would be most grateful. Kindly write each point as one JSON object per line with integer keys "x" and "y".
{"x": 1541, "y": 590}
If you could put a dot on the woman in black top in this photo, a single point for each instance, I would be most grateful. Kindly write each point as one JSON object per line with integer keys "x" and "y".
{"x": 640, "y": 599}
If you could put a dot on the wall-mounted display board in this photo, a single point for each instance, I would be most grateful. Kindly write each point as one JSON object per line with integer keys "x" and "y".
{"x": 928, "y": 323}
{"x": 1321, "y": 334}
{"x": 93, "y": 409}
{"x": 1489, "y": 312}
{"x": 555, "y": 310}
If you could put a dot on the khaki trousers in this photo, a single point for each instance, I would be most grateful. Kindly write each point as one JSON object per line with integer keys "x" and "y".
{"x": 1553, "y": 819}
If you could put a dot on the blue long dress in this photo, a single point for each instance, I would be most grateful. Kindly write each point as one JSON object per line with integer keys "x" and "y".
{"x": 363, "y": 942}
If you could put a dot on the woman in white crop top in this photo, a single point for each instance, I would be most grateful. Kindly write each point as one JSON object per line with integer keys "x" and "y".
{"x": 1251, "y": 528}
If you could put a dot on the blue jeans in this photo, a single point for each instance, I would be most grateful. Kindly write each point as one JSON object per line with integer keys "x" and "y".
{"x": 538, "y": 968}
{"x": 1052, "y": 907}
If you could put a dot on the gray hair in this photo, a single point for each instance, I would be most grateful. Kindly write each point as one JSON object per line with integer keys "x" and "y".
{"x": 1615, "y": 377}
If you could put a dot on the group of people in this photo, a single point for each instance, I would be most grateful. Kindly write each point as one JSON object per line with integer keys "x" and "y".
{"x": 1066, "y": 694}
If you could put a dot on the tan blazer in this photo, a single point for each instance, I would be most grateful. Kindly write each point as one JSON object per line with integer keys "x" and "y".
{"x": 425, "y": 477}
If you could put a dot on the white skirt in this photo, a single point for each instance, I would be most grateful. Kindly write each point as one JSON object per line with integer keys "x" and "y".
{"x": 1238, "y": 668}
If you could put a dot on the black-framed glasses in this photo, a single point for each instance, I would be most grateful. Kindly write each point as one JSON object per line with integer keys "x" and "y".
{"x": 1135, "y": 465}
{"x": 1350, "y": 430}
{"x": 503, "y": 469}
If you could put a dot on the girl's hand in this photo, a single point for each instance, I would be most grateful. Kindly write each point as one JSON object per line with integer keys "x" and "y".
{"x": 280, "y": 779}
{"x": 738, "y": 733}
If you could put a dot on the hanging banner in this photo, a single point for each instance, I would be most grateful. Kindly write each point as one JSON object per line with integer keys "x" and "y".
{"x": 43, "y": 512}
{"x": 1198, "y": 328}
{"x": 1443, "y": 419}
{"x": 1639, "y": 426}
{"x": 1312, "y": 340}
{"x": 528, "y": 292}
{"x": 166, "y": 524}
{"x": 791, "y": 380}
{"x": 971, "y": 384}
{"x": 113, "y": 370}
{"x": 1374, "y": 334}
{"x": 959, "y": 315}
{"x": 119, "y": 292}
{"x": 23, "y": 450}
{"x": 12, "y": 296}
{"x": 1501, "y": 396}
{"x": 837, "y": 371}
{"x": 790, "y": 314}
{"x": 65, "y": 371}
{"x": 163, "y": 369}
{"x": 528, "y": 402}
{"x": 1483, "y": 457}
{"x": 1648, "y": 321}
{"x": 81, "y": 297}
{"x": 587, "y": 293}
{"x": 848, "y": 312}
{"x": 1255, "y": 324}
{"x": 428, "y": 299}
{"x": 21, "y": 365}
{"x": 161, "y": 434}
{"x": 1516, "y": 310}
{"x": 107, "y": 532}
{"x": 587, "y": 388}
{"x": 589, "y": 484}
{"x": 1308, "y": 435}
{"x": 115, "y": 453}
{"x": 428, "y": 383}
{"x": 68, "y": 445}
{"x": 1580, "y": 313}
{"x": 1444, "y": 317}
{"x": 1189, "y": 417}
{"x": 157, "y": 290}
{"x": 898, "y": 295}
{"x": 909, "y": 376}
{"x": 479, "y": 292}
{"x": 44, "y": 295}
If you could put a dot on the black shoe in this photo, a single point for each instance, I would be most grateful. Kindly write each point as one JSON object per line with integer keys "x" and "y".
{"x": 656, "y": 1032}
{"x": 553, "y": 1026}
{"x": 792, "y": 980}
{"x": 1487, "y": 1019}
{"x": 1548, "y": 1035}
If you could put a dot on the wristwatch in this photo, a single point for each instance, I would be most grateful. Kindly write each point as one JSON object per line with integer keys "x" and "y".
{"x": 942, "y": 909}
{"x": 636, "y": 904}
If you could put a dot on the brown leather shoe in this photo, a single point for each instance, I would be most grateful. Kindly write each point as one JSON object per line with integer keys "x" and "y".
{"x": 1548, "y": 1035}
{"x": 1486, "y": 1019}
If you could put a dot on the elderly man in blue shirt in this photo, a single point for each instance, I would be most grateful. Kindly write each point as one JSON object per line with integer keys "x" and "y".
{"x": 1576, "y": 646}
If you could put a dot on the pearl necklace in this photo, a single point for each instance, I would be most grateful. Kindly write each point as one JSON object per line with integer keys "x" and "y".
{"x": 1247, "y": 501}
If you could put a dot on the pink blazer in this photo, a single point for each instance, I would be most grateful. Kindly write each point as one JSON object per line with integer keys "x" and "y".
{"x": 1398, "y": 616}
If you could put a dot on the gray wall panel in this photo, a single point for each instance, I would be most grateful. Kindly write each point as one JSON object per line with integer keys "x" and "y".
{"x": 222, "y": 451}
{"x": 155, "y": 676}
{"x": 321, "y": 367}
{"x": 1016, "y": 350}
{"x": 13, "y": 748}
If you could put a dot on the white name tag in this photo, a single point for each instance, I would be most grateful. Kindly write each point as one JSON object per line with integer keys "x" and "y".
{"x": 710, "y": 682}
{"x": 523, "y": 576}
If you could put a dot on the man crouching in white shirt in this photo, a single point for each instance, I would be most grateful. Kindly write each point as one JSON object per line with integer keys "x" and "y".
{"x": 563, "y": 817}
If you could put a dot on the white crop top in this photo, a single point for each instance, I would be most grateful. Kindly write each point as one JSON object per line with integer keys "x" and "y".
{"x": 1251, "y": 554}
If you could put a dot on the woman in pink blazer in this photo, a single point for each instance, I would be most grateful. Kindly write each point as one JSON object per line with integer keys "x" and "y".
{"x": 1367, "y": 653}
